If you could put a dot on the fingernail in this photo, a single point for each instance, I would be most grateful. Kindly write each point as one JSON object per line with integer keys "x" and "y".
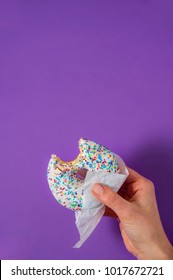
{"x": 98, "y": 189}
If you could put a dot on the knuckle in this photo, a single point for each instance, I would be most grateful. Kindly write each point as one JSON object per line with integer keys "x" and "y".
{"x": 150, "y": 184}
{"x": 147, "y": 183}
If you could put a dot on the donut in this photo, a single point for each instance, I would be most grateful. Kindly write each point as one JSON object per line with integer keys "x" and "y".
{"x": 63, "y": 177}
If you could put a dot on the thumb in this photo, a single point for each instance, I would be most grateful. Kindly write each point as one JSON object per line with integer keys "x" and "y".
{"x": 111, "y": 199}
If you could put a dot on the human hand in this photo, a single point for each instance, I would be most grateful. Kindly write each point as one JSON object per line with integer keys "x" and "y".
{"x": 138, "y": 216}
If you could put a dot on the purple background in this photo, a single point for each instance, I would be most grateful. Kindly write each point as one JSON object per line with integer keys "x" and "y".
{"x": 97, "y": 69}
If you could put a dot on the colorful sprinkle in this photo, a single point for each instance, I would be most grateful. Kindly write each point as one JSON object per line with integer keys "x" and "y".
{"x": 62, "y": 176}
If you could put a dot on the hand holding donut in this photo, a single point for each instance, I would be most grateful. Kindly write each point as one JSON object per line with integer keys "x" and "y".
{"x": 138, "y": 215}
{"x": 71, "y": 183}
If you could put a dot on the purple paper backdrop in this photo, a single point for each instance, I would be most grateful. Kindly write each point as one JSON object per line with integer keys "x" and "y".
{"x": 97, "y": 69}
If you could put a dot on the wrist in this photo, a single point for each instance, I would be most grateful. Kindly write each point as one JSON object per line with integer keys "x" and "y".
{"x": 157, "y": 252}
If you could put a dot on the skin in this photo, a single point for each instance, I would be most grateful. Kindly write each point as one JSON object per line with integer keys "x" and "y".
{"x": 136, "y": 210}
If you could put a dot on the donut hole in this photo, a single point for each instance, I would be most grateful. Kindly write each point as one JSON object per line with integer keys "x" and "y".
{"x": 81, "y": 174}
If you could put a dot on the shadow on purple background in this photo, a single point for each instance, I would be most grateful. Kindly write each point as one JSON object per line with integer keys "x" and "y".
{"x": 70, "y": 69}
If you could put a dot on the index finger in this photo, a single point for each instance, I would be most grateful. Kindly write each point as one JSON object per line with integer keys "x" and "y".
{"x": 133, "y": 176}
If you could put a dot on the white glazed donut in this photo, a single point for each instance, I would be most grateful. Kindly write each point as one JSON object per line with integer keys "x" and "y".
{"x": 64, "y": 183}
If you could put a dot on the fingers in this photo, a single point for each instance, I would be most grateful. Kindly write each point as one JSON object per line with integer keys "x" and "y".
{"x": 111, "y": 199}
{"x": 136, "y": 182}
{"x": 133, "y": 176}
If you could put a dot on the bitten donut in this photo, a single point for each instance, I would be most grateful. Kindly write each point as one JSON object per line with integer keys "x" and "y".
{"x": 63, "y": 181}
